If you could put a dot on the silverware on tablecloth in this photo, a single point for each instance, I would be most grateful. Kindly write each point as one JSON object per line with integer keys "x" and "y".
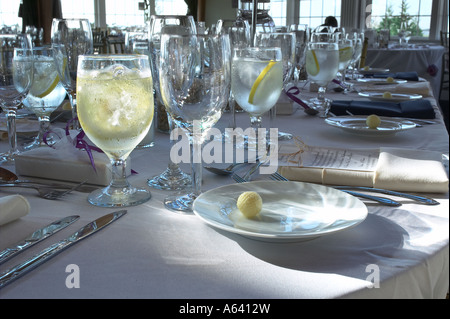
{"x": 46, "y": 192}
{"x": 30, "y": 264}
{"x": 36, "y": 237}
{"x": 382, "y": 200}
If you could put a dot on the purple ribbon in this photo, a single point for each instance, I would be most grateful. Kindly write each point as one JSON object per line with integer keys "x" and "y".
{"x": 292, "y": 92}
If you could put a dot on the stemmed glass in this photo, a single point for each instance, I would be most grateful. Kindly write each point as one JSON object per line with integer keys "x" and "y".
{"x": 195, "y": 86}
{"x": 240, "y": 37}
{"x": 173, "y": 178}
{"x": 358, "y": 40}
{"x": 257, "y": 80}
{"x": 345, "y": 56}
{"x": 71, "y": 38}
{"x": 404, "y": 35}
{"x": 322, "y": 62}
{"x": 46, "y": 92}
{"x": 16, "y": 76}
{"x": 286, "y": 42}
{"x": 302, "y": 36}
{"x": 115, "y": 110}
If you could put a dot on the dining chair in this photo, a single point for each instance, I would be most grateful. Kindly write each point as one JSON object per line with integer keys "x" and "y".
{"x": 445, "y": 67}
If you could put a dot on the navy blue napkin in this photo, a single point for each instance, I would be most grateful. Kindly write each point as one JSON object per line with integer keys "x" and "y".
{"x": 410, "y": 76}
{"x": 419, "y": 109}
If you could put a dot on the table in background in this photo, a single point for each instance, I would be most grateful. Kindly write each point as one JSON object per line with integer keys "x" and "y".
{"x": 154, "y": 253}
{"x": 418, "y": 58}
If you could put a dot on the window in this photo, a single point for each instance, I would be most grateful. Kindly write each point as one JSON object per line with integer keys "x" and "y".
{"x": 278, "y": 12}
{"x": 389, "y": 14}
{"x": 9, "y": 14}
{"x": 81, "y": 9}
{"x": 124, "y": 13}
{"x": 314, "y": 12}
{"x": 174, "y": 7}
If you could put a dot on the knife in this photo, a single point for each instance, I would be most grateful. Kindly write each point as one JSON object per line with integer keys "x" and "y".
{"x": 36, "y": 237}
{"x": 30, "y": 264}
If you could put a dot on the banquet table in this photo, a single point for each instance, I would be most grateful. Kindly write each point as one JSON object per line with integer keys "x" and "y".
{"x": 152, "y": 252}
{"x": 416, "y": 57}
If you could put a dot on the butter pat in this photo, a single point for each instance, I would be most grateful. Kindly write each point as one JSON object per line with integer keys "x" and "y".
{"x": 250, "y": 204}
{"x": 66, "y": 163}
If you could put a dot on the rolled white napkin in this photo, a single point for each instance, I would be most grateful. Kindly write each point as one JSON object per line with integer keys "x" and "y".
{"x": 13, "y": 207}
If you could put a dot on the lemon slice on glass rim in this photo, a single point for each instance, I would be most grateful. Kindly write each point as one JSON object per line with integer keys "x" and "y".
{"x": 345, "y": 53}
{"x": 258, "y": 81}
{"x": 312, "y": 64}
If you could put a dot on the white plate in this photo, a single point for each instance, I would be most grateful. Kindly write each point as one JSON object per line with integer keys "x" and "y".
{"x": 373, "y": 70}
{"x": 381, "y": 81}
{"x": 396, "y": 97}
{"x": 357, "y": 125}
{"x": 292, "y": 211}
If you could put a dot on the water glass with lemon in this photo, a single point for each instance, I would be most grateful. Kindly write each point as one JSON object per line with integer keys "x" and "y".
{"x": 257, "y": 80}
{"x": 46, "y": 93}
{"x": 345, "y": 57}
{"x": 115, "y": 110}
{"x": 322, "y": 63}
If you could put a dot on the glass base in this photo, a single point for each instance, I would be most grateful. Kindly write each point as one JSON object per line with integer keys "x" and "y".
{"x": 7, "y": 158}
{"x": 180, "y": 203}
{"x": 119, "y": 197}
{"x": 170, "y": 179}
{"x": 284, "y": 136}
{"x": 321, "y": 106}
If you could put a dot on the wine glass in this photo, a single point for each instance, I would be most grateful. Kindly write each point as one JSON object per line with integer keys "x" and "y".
{"x": 322, "y": 63}
{"x": 195, "y": 86}
{"x": 286, "y": 41}
{"x": 345, "y": 56}
{"x": 172, "y": 178}
{"x": 257, "y": 80}
{"x": 46, "y": 93}
{"x": 16, "y": 76}
{"x": 404, "y": 35}
{"x": 239, "y": 34}
{"x": 302, "y": 36}
{"x": 115, "y": 110}
{"x": 358, "y": 40}
{"x": 71, "y": 38}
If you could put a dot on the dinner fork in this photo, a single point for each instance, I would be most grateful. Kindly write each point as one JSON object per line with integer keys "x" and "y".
{"x": 46, "y": 192}
{"x": 237, "y": 178}
{"x": 382, "y": 200}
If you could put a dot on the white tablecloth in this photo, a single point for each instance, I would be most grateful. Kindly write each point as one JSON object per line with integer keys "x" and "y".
{"x": 414, "y": 58}
{"x": 154, "y": 253}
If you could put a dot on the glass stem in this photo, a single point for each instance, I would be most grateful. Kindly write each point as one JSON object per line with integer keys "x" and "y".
{"x": 232, "y": 103}
{"x": 119, "y": 174}
{"x": 73, "y": 104}
{"x": 12, "y": 136}
{"x": 44, "y": 126}
{"x": 321, "y": 94}
{"x": 196, "y": 162}
{"x": 172, "y": 166}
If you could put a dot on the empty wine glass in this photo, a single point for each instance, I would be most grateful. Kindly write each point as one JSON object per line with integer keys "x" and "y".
{"x": 71, "y": 38}
{"x": 322, "y": 62}
{"x": 302, "y": 36}
{"x": 358, "y": 40}
{"x": 173, "y": 178}
{"x": 115, "y": 109}
{"x": 257, "y": 80}
{"x": 46, "y": 93}
{"x": 195, "y": 86}
{"x": 16, "y": 76}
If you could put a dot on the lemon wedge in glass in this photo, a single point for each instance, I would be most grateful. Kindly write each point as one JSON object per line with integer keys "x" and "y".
{"x": 263, "y": 79}
{"x": 46, "y": 77}
{"x": 312, "y": 65}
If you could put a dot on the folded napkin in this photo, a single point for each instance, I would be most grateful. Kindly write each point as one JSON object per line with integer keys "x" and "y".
{"x": 420, "y": 109}
{"x": 13, "y": 207}
{"x": 422, "y": 87}
{"x": 395, "y": 169}
{"x": 410, "y": 76}
{"x": 65, "y": 162}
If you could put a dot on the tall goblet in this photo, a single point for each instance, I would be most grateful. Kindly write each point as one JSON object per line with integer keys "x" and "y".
{"x": 257, "y": 80}
{"x": 358, "y": 40}
{"x": 322, "y": 62}
{"x": 345, "y": 56}
{"x": 302, "y": 36}
{"x": 46, "y": 92}
{"x": 195, "y": 86}
{"x": 173, "y": 178}
{"x": 16, "y": 76}
{"x": 71, "y": 38}
{"x": 115, "y": 109}
{"x": 286, "y": 41}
